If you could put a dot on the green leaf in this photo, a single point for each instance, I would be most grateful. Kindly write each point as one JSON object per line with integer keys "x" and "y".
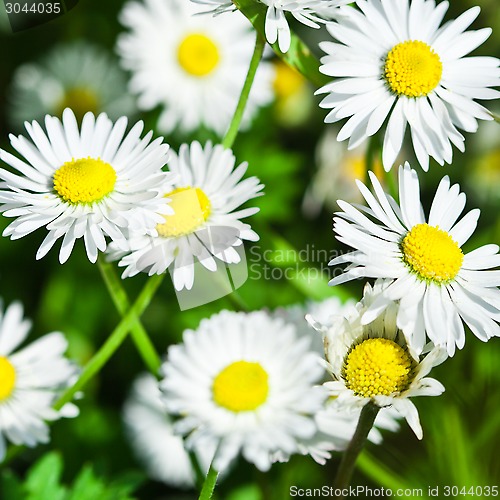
{"x": 298, "y": 56}
{"x": 43, "y": 479}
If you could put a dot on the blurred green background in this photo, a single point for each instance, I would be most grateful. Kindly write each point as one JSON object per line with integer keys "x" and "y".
{"x": 461, "y": 428}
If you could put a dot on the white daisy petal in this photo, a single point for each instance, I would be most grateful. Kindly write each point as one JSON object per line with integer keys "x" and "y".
{"x": 203, "y": 226}
{"x": 80, "y": 192}
{"x": 239, "y": 400}
{"x": 376, "y": 45}
{"x": 434, "y": 281}
{"x": 193, "y": 66}
{"x": 32, "y": 380}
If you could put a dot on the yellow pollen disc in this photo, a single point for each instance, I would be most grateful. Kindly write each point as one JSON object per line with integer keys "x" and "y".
{"x": 7, "y": 378}
{"x": 198, "y": 55}
{"x": 377, "y": 367}
{"x": 287, "y": 81}
{"x": 84, "y": 181}
{"x": 191, "y": 209}
{"x": 241, "y": 386}
{"x": 432, "y": 253}
{"x": 80, "y": 100}
{"x": 413, "y": 69}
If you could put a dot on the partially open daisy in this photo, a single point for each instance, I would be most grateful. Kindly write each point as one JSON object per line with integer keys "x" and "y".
{"x": 335, "y": 424}
{"x": 392, "y": 60}
{"x": 91, "y": 183}
{"x": 193, "y": 66}
{"x": 31, "y": 379}
{"x": 243, "y": 383}
{"x": 79, "y": 76}
{"x": 204, "y": 228}
{"x": 308, "y": 12}
{"x": 373, "y": 362}
{"x": 151, "y": 434}
{"x": 437, "y": 284}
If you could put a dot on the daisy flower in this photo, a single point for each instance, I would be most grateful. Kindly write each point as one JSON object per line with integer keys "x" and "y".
{"x": 91, "y": 183}
{"x": 373, "y": 362}
{"x": 79, "y": 76}
{"x": 436, "y": 283}
{"x": 150, "y": 430}
{"x": 31, "y": 379}
{"x": 243, "y": 383}
{"x": 204, "y": 228}
{"x": 393, "y": 61}
{"x": 193, "y": 66}
{"x": 335, "y": 424}
{"x": 308, "y": 12}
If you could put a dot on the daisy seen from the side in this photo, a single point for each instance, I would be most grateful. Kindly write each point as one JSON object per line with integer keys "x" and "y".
{"x": 192, "y": 66}
{"x": 90, "y": 183}
{"x": 243, "y": 383}
{"x": 393, "y": 63}
{"x": 373, "y": 363}
{"x": 206, "y": 226}
{"x": 31, "y": 379}
{"x": 311, "y": 13}
{"x": 437, "y": 285}
{"x": 335, "y": 423}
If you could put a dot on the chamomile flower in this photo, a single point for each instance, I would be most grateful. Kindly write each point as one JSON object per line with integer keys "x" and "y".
{"x": 243, "y": 383}
{"x": 192, "y": 66}
{"x": 150, "y": 429}
{"x": 79, "y": 76}
{"x": 373, "y": 362}
{"x": 392, "y": 61}
{"x": 204, "y": 227}
{"x": 308, "y": 12}
{"x": 91, "y": 183}
{"x": 335, "y": 424}
{"x": 31, "y": 379}
{"x": 437, "y": 285}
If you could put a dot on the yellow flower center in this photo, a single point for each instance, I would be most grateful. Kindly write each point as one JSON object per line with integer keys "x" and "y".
{"x": 413, "y": 69}
{"x": 84, "y": 181}
{"x": 378, "y": 367}
{"x": 191, "y": 209}
{"x": 80, "y": 100}
{"x": 7, "y": 378}
{"x": 198, "y": 55}
{"x": 287, "y": 81}
{"x": 432, "y": 253}
{"x": 241, "y": 386}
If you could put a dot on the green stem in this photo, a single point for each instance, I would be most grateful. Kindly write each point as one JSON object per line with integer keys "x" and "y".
{"x": 139, "y": 335}
{"x": 114, "y": 340}
{"x": 209, "y": 484}
{"x": 346, "y": 468}
{"x": 234, "y": 126}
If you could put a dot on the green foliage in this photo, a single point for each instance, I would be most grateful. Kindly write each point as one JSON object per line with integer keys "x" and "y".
{"x": 44, "y": 481}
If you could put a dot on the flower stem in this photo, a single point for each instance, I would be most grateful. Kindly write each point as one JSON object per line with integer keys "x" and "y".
{"x": 346, "y": 468}
{"x": 234, "y": 126}
{"x": 114, "y": 340}
{"x": 209, "y": 485}
{"x": 139, "y": 335}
